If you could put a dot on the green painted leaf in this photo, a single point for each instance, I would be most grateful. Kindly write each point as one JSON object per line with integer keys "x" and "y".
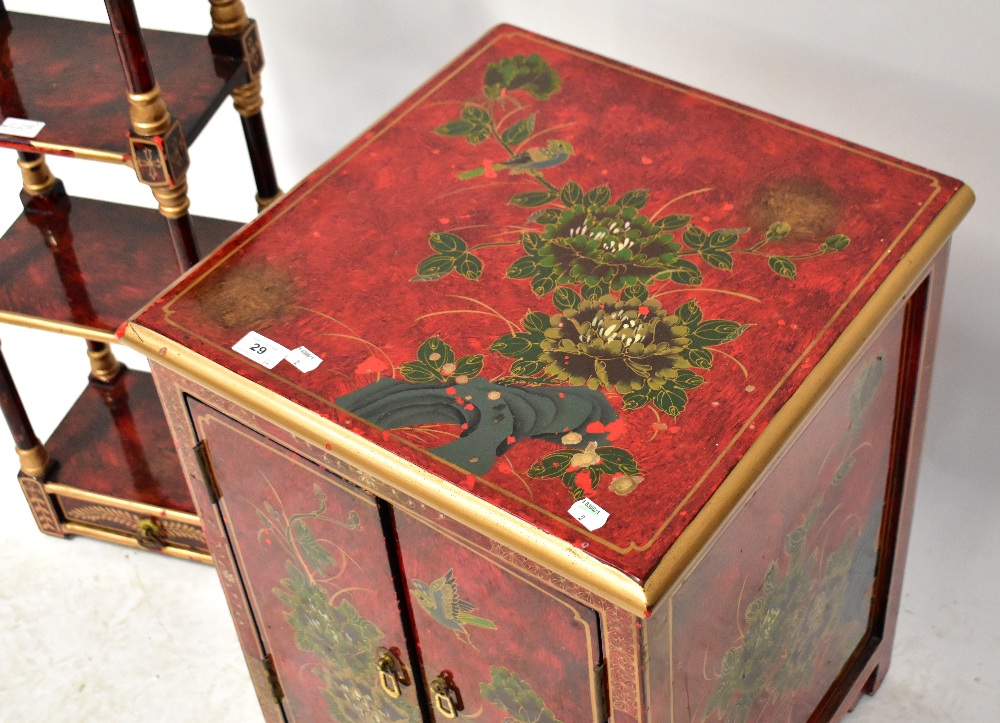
{"x": 716, "y": 331}
{"x": 777, "y": 231}
{"x": 532, "y": 198}
{"x": 542, "y": 285}
{"x": 592, "y": 292}
{"x": 520, "y": 131}
{"x": 635, "y": 199}
{"x": 545, "y": 216}
{"x": 434, "y": 267}
{"x": 446, "y": 243}
{"x": 690, "y": 313}
{"x": 598, "y": 196}
{"x": 469, "y": 365}
{"x": 523, "y": 268}
{"x": 571, "y": 194}
{"x": 545, "y": 379}
{"x": 695, "y": 238}
{"x": 782, "y": 265}
{"x": 455, "y": 128}
{"x": 528, "y": 73}
{"x": 419, "y": 372}
{"x": 469, "y": 266}
{"x": 718, "y": 259}
{"x": 315, "y": 555}
{"x": 683, "y": 272}
{"x": 477, "y": 135}
{"x": 724, "y": 238}
{"x": 673, "y": 222}
{"x": 476, "y": 115}
{"x": 700, "y": 358}
{"x": 515, "y": 345}
{"x": 687, "y": 380}
{"x": 531, "y": 242}
{"x": 671, "y": 400}
{"x": 526, "y": 368}
{"x": 636, "y": 291}
{"x": 565, "y": 298}
{"x": 836, "y": 243}
{"x": 633, "y": 400}
{"x": 435, "y": 353}
{"x": 551, "y": 465}
{"x": 615, "y": 459}
{"x": 533, "y": 321}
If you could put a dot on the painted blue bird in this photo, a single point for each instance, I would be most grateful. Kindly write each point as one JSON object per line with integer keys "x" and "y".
{"x": 443, "y": 603}
{"x": 533, "y": 159}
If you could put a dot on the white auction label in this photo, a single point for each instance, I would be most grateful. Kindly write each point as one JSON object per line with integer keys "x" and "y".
{"x": 303, "y": 359}
{"x": 589, "y": 514}
{"x": 21, "y": 127}
{"x": 260, "y": 349}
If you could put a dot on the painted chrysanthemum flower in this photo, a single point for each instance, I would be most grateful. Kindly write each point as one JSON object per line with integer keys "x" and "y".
{"x": 618, "y": 344}
{"x": 606, "y": 245}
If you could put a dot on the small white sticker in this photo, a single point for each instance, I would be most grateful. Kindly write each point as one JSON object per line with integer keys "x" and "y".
{"x": 589, "y": 514}
{"x": 303, "y": 359}
{"x": 260, "y": 349}
{"x": 21, "y": 127}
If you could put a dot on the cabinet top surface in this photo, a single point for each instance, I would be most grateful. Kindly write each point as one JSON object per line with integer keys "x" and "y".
{"x": 548, "y": 277}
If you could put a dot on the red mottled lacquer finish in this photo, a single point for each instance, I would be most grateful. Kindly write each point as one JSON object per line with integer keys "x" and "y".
{"x": 315, "y": 567}
{"x": 65, "y": 266}
{"x": 67, "y": 74}
{"x": 487, "y": 626}
{"x": 333, "y": 267}
{"x": 797, "y": 602}
{"x": 115, "y": 441}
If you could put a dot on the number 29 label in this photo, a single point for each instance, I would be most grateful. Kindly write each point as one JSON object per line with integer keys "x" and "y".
{"x": 260, "y": 349}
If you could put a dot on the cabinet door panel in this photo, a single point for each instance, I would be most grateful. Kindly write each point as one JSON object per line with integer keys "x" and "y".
{"x": 515, "y": 649}
{"x": 312, "y": 554}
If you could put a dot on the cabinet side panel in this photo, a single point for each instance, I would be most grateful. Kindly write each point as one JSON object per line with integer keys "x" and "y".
{"x": 171, "y": 388}
{"x": 311, "y": 553}
{"x": 780, "y": 601}
{"x": 513, "y": 647}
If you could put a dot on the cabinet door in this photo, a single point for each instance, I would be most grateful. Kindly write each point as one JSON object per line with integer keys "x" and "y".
{"x": 510, "y": 648}
{"x": 312, "y": 556}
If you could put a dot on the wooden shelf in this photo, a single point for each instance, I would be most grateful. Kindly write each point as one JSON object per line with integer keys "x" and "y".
{"x": 85, "y": 270}
{"x": 114, "y": 464}
{"x": 67, "y": 74}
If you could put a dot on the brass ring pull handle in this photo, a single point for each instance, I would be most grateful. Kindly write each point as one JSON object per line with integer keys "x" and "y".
{"x": 445, "y": 697}
{"x": 390, "y": 673}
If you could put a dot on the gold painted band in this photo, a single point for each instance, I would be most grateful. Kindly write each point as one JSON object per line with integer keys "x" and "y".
{"x": 73, "y": 528}
{"x": 58, "y": 327}
{"x": 88, "y": 154}
{"x": 140, "y": 508}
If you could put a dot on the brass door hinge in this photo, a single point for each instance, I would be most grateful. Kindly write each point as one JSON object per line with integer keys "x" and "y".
{"x": 601, "y": 688}
{"x": 207, "y": 474}
{"x": 272, "y": 678}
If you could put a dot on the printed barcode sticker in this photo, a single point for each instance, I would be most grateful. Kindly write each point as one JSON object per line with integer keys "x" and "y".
{"x": 303, "y": 359}
{"x": 21, "y": 127}
{"x": 589, "y": 514}
{"x": 260, "y": 349}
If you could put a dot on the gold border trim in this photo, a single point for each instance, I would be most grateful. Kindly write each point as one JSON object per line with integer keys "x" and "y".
{"x": 87, "y": 154}
{"x": 74, "y": 528}
{"x": 57, "y": 327}
{"x": 140, "y": 508}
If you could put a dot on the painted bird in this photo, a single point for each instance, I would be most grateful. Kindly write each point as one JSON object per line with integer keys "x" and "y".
{"x": 442, "y": 602}
{"x": 533, "y": 159}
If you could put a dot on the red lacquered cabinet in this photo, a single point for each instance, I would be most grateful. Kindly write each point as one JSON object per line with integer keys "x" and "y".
{"x": 564, "y": 393}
